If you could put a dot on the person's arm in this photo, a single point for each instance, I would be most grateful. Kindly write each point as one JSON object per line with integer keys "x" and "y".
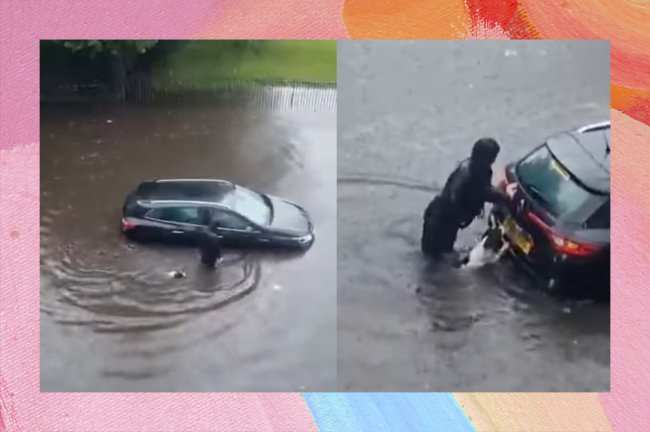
{"x": 495, "y": 196}
{"x": 500, "y": 198}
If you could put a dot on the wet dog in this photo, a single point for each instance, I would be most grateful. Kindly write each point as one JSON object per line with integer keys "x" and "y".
{"x": 177, "y": 274}
{"x": 489, "y": 250}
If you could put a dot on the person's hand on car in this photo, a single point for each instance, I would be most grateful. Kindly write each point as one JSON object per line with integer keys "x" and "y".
{"x": 511, "y": 190}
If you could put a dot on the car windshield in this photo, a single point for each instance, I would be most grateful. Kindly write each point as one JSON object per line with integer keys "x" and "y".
{"x": 549, "y": 183}
{"x": 251, "y": 205}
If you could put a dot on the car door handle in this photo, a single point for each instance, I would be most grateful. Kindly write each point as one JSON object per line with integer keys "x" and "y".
{"x": 178, "y": 232}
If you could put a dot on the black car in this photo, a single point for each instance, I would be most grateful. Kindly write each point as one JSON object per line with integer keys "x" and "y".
{"x": 178, "y": 210}
{"x": 561, "y": 226}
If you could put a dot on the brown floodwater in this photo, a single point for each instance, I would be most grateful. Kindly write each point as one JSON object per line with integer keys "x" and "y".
{"x": 111, "y": 317}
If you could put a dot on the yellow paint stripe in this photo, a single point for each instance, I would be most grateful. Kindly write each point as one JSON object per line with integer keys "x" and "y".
{"x": 534, "y": 412}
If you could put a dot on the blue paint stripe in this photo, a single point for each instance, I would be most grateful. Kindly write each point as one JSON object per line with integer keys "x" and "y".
{"x": 387, "y": 412}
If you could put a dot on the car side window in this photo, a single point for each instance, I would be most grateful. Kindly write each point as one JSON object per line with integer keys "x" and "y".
{"x": 601, "y": 218}
{"x": 230, "y": 220}
{"x": 191, "y": 215}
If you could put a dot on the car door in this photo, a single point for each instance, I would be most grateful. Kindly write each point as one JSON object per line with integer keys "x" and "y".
{"x": 182, "y": 224}
{"x": 235, "y": 230}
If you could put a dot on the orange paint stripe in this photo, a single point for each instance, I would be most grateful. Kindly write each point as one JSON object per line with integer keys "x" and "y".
{"x": 426, "y": 19}
{"x": 406, "y": 19}
{"x": 623, "y": 23}
{"x": 632, "y": 101}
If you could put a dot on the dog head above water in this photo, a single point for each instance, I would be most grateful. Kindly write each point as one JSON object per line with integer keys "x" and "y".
{"x": 489, "y": 249}
{"x": 493, "y": 239}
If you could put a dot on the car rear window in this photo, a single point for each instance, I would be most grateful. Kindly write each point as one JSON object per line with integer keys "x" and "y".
{"x": 601, "y": 218}
{"x": 191, "y": 215}
{"x": 550, "y": 184}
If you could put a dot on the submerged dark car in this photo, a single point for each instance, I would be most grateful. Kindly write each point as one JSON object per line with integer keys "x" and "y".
{"x": 177, "y": 210}
{"x": 561, "y": 227}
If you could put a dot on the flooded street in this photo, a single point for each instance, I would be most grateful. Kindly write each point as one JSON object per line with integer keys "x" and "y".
{"x": 408, "y": 113}
{"x": 113, "y": 320}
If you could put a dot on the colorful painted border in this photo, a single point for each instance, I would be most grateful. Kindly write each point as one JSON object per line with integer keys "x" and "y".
{"x": 24, "y": 22}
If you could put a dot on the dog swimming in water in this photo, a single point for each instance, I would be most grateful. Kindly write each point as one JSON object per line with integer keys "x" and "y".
{"x": 177, "y": 274}
{"x": 489, "y": 250}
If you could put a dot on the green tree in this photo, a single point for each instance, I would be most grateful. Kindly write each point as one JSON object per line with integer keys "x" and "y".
{"x": 126, "y": 66}
{"x": 129, "y": 63}
{"x": 115, "y": 47}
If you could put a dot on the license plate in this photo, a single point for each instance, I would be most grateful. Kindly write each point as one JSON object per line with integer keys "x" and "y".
{"x": 517, "y": 236}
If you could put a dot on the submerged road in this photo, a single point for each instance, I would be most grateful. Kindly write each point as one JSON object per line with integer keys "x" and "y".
{"x": 113, "y": 320}
{"x": 408, "y": 113}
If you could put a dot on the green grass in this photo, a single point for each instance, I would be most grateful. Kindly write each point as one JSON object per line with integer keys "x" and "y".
{"x": 211, "y": 64}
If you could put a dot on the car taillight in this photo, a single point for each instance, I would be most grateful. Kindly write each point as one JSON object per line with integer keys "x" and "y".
{"x": 562, "y": 244}
{"x": 503, "y": 181}
{"x": 569, "y": 247}
{"x": 126, "y": 225}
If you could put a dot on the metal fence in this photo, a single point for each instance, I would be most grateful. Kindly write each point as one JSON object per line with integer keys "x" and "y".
{"x": 283, "y": 96}
{"x": 276, "y": 96}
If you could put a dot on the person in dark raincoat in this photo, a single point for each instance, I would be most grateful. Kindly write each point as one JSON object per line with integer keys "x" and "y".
{"x": 466, "y": 191}
{"x": 210, "y": 245}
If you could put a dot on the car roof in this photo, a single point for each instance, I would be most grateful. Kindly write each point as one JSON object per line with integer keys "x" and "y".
{"x": 585, "y": 153}
{"x": 595, "y": 126}
{"x": 186, "y": 190}
{"x": 181, "y": 203}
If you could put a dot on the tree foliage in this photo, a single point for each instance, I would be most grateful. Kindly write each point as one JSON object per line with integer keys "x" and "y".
{"x": 116, "y": 47}
{"x": 123, "y": 66}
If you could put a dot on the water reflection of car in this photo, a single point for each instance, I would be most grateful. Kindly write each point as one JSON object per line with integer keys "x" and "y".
{"x": 561, "y": 226}
{"x": 177, "y": 210}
